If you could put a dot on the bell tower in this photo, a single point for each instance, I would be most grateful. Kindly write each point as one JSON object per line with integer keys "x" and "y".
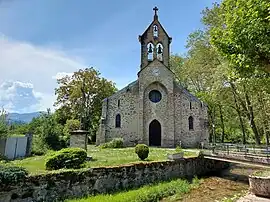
{"x": 155, "y": 43}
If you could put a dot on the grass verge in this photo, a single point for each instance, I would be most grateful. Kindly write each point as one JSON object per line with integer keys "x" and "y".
{"x": 102, "y": 157}
{"x": 147, "y": 193}
{"x": 262, "y": 173}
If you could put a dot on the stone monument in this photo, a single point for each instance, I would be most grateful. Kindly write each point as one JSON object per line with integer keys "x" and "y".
{"x": 78, "y": 138}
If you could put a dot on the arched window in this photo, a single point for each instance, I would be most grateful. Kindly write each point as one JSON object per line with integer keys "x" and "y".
{"x": 155, "y": 31}
{"x": 118, "y": 121}
{"x": 159, "y": 52}
{"x": 190, "y": 123}
{"x": 150, "y": 51}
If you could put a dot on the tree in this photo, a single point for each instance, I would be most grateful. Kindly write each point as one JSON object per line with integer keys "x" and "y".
{"x": 80, "y": 96}
{"x": 240, "y": 31}
{"x": 49, "y": 133}
{"x": 3, "y": 124}
{"x": 71, "y": 125}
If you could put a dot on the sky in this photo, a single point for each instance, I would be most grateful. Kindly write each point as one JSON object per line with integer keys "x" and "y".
{"x": 42, "y": 40}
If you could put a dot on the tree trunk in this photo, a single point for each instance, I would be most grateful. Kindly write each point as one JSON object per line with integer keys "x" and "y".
{"x": 265, "y": 118}
{"x": 247, "y": 106}
{"x": 212, "y": 117}
{"x": 252, "y": 118}
{"x": 237, "y": 108}
{"x": 222, "y": 124}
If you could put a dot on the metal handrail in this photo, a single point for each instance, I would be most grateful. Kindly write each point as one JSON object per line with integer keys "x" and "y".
{"x": 262, "y": 150}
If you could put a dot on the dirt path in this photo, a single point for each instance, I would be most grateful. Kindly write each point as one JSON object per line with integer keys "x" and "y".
{"x": 227, "y": 184}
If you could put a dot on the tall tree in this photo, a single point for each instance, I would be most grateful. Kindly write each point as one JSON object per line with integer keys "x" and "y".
{"x": 240, "y": 30}
{"x": 3, "y": 123}
{"x": 80, "y": 96}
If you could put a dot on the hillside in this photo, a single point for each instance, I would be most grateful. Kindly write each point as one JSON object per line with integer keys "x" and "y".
{"x": 22, "y": 118}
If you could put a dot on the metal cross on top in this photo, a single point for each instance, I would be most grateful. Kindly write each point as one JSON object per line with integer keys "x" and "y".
{"x": 155, "y": 9}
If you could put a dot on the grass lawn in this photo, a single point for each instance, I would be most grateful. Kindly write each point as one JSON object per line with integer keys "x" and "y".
{"x": 102, "y": 157}
{"x": 154, "y": 192}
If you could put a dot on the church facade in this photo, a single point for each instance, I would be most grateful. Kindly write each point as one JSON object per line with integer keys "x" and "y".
{"x": 154, "y": 109}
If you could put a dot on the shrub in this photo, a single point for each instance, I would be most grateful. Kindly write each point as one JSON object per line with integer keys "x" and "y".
{"x": 38, "y": 147}
{"x": 11, "y": 174}
{"x": 66, "y": 158}
{"x": 115, "y": 143}
{"x": 2, "y": 157}
{"x": 142, "y": 151}
{"x": 178, "y": 149}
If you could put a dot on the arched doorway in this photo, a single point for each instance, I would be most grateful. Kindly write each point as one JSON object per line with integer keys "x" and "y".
{"x": 154, "y": 133}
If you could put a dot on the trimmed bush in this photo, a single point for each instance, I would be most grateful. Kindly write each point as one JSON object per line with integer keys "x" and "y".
{"x": 115, "y": 143}
{"x": 142, "y": 151}
{"x": 2, "y": 158}
{"x": 12, "y": 174}
{"x": 66, "y": 158}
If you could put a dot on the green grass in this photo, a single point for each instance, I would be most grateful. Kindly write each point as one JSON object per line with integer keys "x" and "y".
{"x": 102, "y": 157}
{"x": 262, "y": 173}
{"x": 147, "y": 193}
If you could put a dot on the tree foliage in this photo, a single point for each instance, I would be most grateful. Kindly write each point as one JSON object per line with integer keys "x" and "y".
{"x": 3, "y": 124}
{"x": 80, "y": 96}
{"x": 240, "y": 30}
{"x": 238, "y": 103}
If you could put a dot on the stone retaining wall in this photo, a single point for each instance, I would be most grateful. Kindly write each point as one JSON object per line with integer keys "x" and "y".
{"x": 260, "y": 186}
{"x": 79, "y": 183}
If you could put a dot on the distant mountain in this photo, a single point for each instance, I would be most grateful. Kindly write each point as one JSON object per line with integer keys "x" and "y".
{"x": 22, "y": 118}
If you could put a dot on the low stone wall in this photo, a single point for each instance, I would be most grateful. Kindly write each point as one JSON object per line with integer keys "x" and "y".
{"x": 79, "y": 183}
{"x": 260, "y": 186}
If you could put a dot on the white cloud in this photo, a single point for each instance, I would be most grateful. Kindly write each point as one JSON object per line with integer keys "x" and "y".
{"x": 17, "y": 95}
{"x": 61, "y": 75}
{"x": 29, "y": 63}
{"x": 28, "y": 74}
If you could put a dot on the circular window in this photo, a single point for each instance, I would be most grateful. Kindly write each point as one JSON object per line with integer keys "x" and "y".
{"x": 155, "y": 96}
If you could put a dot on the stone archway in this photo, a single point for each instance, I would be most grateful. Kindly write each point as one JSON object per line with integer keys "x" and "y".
{"x": 154, "y": 133}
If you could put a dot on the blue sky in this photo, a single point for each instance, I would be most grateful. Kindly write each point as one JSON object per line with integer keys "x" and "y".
{"x": 40, "y": 40}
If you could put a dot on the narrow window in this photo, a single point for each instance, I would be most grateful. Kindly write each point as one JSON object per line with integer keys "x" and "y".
{"x": 118, "y": 121}
{"x": 150, "y": 52}
{"x": 155, "y": 31}
{"x": 190, "y": 123}
{"x": 190, "y": 105}
{"x": 159, "y": 51}
{"x": 118, "y": 103}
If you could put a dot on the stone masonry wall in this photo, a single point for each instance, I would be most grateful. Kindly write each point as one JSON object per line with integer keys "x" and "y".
{"x": 189, "y": 138}
{"x": 78, "y": 140}
{"x": 127, "y": 109}
{"x": 159, "y": 76}
{"x": 259, "y": 186}
{"x": 73, "y": 184}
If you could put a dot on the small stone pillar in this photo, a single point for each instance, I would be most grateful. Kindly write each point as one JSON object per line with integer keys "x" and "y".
{"x": 29, "y": 144}
{"x": 78, "y": 138}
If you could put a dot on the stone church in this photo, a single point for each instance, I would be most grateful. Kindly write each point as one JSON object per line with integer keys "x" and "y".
{"x": 154, "y": 109}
